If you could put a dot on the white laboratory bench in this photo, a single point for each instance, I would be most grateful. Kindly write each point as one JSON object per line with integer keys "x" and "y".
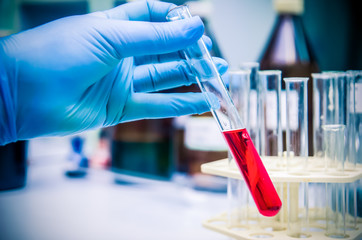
{"x": 55, "y": 207}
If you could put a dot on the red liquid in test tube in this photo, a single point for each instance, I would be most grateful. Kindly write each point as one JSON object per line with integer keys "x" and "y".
{"x": 252, "y": 168}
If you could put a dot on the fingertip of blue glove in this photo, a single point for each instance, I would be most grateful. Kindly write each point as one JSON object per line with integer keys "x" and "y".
{"x": 207, "y": 42}
{"x": 221, "y": 65}
{"x": 195, "y": 28}
{"x": 199, "y": 102}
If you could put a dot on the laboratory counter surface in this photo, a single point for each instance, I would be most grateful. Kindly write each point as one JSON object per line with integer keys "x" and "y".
{"x": 55, "y": 207}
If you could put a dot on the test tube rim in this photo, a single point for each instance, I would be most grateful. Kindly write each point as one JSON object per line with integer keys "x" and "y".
{"x": 335, "y": 73}
{"x": 246, "y": 65}
{"x": 323, "y": 76}
{"x": 176, "y": 7}
{"x": 269, "y": 72}
{"x": 240, "y": 71}
{"x": 295, "y": 79}
{"x": 354, "y": 72}
{"x": 331, "y": 127}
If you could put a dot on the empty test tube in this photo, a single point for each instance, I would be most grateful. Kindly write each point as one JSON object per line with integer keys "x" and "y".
{"x": 354, "y": 117}
{"x": 229, "y": 122}
{"x": 271, "y": 138}
{"x": 351, "y": 205}
{"x": 334, "y": 147}
{"x": 298, "y": 210}
{"x": 323, "y": 111}
{"x": 336, "y": 210}
{"x": 340, "y": 95}
{"x": 297, "y": 124}
{"x": 238, "y": 212}
{"x": 354, "y": 126}
{"x": 270, "y": 127}
{"x": 297, "y": 155}
{"x": 340, "y": 85}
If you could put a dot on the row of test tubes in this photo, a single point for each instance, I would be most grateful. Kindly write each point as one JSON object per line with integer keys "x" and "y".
{"x": 270, "y": 112}
{"x": 277, "y": 121}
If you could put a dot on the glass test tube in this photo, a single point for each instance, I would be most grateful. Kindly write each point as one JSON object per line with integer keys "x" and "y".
{"x": 297, "y": 155}
{"x": 254, "y": 122}
{"x": 336, "y": 210}
{"x": 238, "y": 214}
{"x": 354, "y": 117}
{"x": 297, "y": 124}
{"x": 354, "y": 126}
{"x": 340, "y": 102}
{"x": 298, "y": 210}
{"x": 340, "y": 94}
{"x": 242, "y": 206}
{"x": 323, "y": 111}
{"x": 339, "y": 203}
{"x": 253, "y": 103}
{"x": 317, "y": 206}
{"x": 270, "y": 127}
{"x": 351, "y": 205}
{"x": 229, "y": 122}
{"x": 334, "y": 147}
{"x": 271, "y": 141}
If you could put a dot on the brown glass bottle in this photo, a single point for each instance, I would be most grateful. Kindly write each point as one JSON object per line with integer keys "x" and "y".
{"x": 289, "y": 50}
{"x": 13, "y": 165}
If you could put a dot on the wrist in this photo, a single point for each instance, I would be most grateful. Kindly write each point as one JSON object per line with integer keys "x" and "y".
{"x": 7, "y": 97}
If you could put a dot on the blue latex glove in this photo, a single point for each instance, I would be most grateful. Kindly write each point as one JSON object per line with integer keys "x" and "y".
{"x": 96, "y": 70}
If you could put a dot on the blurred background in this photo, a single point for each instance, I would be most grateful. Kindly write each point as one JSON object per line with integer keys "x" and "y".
{"x": 168, "y": 150}
{"x": 240, "y": 30}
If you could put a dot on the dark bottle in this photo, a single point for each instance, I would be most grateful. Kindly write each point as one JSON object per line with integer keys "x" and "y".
{"x": 143, "y": 148}
{"x": 13, "y": 165}
{"x": 289, "y": 50}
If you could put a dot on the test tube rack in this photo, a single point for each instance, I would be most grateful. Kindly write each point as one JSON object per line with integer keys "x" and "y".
{"x": 255, "y": 228}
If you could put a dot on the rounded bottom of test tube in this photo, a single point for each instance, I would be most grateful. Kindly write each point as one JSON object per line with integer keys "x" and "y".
{"x": 270, "y": 212}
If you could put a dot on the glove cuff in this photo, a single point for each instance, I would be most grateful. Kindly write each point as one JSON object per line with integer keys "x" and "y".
{"x": 7, "y": 104}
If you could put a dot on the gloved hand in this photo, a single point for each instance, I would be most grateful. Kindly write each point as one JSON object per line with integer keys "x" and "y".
{"x": 94, "y": 70}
